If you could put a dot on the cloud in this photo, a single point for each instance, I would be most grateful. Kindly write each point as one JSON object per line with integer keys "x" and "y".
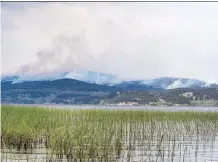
{"x": 132, "y": 40}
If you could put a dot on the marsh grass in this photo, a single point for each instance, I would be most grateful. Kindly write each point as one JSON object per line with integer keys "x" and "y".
{"x": 106, "y": 135}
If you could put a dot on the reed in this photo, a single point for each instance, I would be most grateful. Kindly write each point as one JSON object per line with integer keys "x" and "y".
{"x": 104, "y": 135}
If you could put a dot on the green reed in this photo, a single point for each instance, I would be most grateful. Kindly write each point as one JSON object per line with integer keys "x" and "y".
{"x": 102, "y": 135}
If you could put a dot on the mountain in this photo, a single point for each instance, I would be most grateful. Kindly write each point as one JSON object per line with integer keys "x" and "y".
{"x": 87, "y": 87}
{"x": 93, "y": 77}
{"x": 63, "y": 84}
{"x": 9, "y": 78}
{"x": 168, "y": 83}
{"x": 136, "y": 85}
{"x": 70, "y": 91}
{"x": 82, "y": 75}
{"x": 112, "y": 80}
{"x": 172, "y": 83}
{"x": 64, "y": 91}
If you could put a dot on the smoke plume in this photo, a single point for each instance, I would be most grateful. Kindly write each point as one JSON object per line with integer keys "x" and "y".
{"x": 131, "y": 40}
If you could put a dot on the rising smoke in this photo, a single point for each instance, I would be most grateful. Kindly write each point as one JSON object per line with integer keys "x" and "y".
{"x": 145, "y": 40}
{"x": 66, "y": 53}
{"x": 89, "y": 48}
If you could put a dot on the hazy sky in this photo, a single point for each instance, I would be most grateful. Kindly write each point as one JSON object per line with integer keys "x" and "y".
{"x": 139, "y": 40}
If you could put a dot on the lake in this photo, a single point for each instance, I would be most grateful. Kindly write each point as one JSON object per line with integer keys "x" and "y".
{"x": 122, "y": 107}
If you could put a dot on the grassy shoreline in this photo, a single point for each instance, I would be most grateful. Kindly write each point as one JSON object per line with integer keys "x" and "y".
{"x": 100, "y": 134}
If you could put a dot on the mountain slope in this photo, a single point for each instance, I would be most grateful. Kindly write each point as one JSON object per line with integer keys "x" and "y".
{"x": 112, "y": 80}
{"x": 69, "y": 91}
{"x": 93, "y": 77}
{"x": 65, "y": 91}
{"x": 136, "y": 85}
{"x": 62, "y": 84}
{"x": 82, "y": 75}
{"x": 172, "y": 83}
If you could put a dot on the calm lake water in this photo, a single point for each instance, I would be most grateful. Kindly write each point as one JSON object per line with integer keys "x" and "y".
{"x": 184, "y": 150}
{"x": 127, "y": 107}
{"x": 179, "y": 143}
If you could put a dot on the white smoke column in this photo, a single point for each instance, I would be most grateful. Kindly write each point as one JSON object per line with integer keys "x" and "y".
{"x": 211, "y": 81}
{"x": 67, "y": 52}
{"x": 140, "y": 40}
{"x": 91, "y": 47}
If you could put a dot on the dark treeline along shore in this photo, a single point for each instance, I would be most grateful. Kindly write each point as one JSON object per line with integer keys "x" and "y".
{"x": 107, "y": 135}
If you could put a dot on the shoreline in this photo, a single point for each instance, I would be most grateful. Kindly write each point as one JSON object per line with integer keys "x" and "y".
{"x": 122, "y": 107}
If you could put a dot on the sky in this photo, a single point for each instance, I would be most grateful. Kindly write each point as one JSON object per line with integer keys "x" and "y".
{"x": 138, "y": 40}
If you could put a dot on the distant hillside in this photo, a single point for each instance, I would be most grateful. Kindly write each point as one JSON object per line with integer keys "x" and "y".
{"x": 60, "y": 84}
{"x": 70, "y": 91}
{"x": 181, "y": 96}
{"x": 173, "y": 83}
{"x": 82, "y": 75}
{"x": 112, "y": 80}
{"x": 58, "y": 91}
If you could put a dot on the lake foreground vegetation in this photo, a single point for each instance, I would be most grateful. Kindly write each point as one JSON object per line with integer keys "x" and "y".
{"x": 52, "y": 134}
